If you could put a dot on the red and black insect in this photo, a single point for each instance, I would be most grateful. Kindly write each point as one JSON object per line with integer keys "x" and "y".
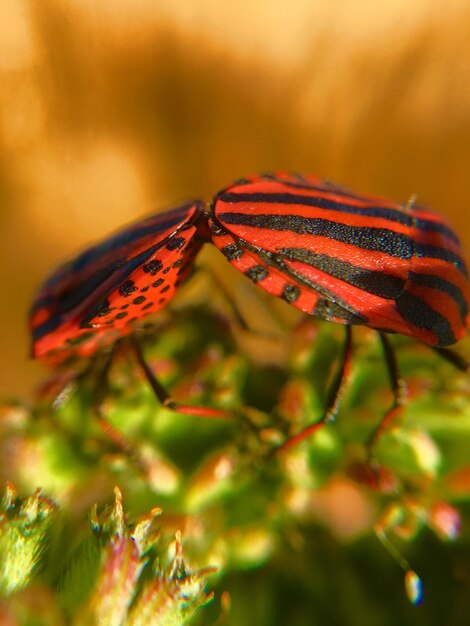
{"x": 345, "y": 258}
{"x": 351, "y": 259}
{"x": 93, "y": 301}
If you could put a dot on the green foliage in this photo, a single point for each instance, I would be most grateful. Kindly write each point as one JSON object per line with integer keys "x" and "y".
{"x": 270, "y": 538}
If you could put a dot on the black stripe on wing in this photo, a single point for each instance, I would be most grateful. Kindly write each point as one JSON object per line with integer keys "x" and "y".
{"x": 436, "y": 282}
{"x": 400, "y": 216}
{"x": 421, "y": 315}
{"x": 394, "y": 215}
{"x": 153, "y": 225}
{"x": 435, "y": 252}
{"x": 168, "y": 220}
{"x": 72, "y": 298}
{"x": 277, "y": 262}
{"x": 377, "y": 283}
{"x": 375, "y": 239}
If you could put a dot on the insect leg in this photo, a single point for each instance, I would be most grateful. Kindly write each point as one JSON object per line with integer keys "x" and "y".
{"x": 454, "y": 358}
{"x": 399, "y": 391}
{"x": 235, "y": 315}
{"x": 101, "y": 385}
{"x": 225, "y": 294}
{"x": 100, "y": 391}
{"x": 334, "y": 398}
{"x": 69, "y": 382}
{"x": 162, "y": 394}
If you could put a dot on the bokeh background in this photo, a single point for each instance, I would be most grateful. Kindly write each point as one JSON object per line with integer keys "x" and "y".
{"x": 112, "y": 109}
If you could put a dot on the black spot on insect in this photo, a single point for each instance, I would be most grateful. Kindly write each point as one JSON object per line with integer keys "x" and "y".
{"x": 165, "y": 289}
{"x": 127, "y": 288}
{"x": 328, "y": 310}
{"x": 166, "y": 270}
{"x": 276, "y": 258}
{"x": 144, "y": 289}
{"x": 177, "y": 263}
{"x": 121, "y": 315}
{"x": 83, "y": 338}
{"x": 290, "y": 293}
{"x": 153, "y": 267}
{"x": 256, "y": 273}
{"x": 176, "y": 243}
{"x": 124, "y": 306}
{"x": 147, "y": 306}
{"x": 232, "y": 252}
{"x": 103, "y": 308}
{"x": 162, "y": 300}
{"x": 138, "y": 300}
{"x": 321, "y": 308}
{"x": 158, "y": 282}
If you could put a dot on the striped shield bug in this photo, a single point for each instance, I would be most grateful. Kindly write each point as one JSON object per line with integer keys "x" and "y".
{"x": 355, "y": 260}
{"x": 340, "y": 256}
{"x": 351, "y": 259}
{"x": 90, "y": 303}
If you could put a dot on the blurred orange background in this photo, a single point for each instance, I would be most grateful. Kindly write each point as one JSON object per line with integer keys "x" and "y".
{"x": 112, "y": 109}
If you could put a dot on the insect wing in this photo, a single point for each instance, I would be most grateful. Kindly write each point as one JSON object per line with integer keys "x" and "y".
{"x": 437, "y": 293}
{"x": 351, "y": 254}
{"x": 82, "y": 305}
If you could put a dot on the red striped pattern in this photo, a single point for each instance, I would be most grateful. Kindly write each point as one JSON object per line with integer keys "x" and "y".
{"x": 340, "y": 256}
{"x": 345, "y": 257}
{"x": 92, "y": 301}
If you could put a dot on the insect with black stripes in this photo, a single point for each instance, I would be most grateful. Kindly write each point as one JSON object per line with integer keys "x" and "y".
{"x": 351, "y": 259}
{"x": 91, "y": 305}
{"x": 343, "y": 257}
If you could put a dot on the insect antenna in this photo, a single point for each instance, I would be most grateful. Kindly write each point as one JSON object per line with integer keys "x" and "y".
{"x": 413, "y": 583}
